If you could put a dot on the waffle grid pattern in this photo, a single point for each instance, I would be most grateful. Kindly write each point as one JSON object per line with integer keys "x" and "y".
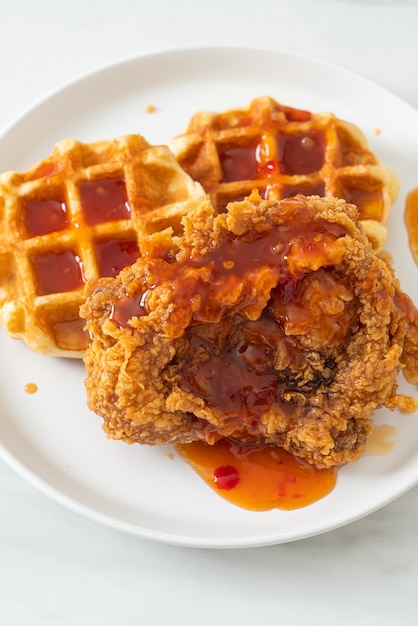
{"x": 284, "y": 151}
{"x": 113, "y": 192}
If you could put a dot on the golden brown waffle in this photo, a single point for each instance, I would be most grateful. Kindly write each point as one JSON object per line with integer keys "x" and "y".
{"x": 283, "y": 151}
{"x": 80, "y": 214}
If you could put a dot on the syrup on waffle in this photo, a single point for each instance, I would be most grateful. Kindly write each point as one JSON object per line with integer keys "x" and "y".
{"x": 80, "y": 214}
{"x": 283, "y": 151}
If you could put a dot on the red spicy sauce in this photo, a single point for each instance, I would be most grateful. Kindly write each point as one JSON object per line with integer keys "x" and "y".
{"x": 240, "y": 259}
{"x": 258, "y": 478}
{"x": 237, "y": 370}
{"x": 239, "y": 164}
{"x": 301, "y": 153}
{"x": 58, "y": 272}
{"x": 237, "y": 373}
{"x": 295, "y": 154}
{"x": 45, "y": 216}
{"x": 113, "y": 256}
{"x": 104, "y": 201}
{"x": 126, "y": 308}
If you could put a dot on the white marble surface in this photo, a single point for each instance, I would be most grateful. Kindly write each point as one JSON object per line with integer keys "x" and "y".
{"x": 60, "y": 569}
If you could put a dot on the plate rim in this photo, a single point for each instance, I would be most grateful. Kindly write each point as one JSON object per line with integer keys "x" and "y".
{"x": 185, "y": 49}
{"x": 51, "y": 491}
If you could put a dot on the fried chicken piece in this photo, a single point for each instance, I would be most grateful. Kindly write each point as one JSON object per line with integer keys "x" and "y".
{"x": 272, "y": 323}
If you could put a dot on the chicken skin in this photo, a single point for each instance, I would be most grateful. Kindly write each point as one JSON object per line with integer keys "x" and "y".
{"x": 272, "y": 323}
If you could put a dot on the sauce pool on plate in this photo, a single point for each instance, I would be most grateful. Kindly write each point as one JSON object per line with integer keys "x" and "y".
{"x": 411, "y": 221}
{"x": 257, "y": 478}
{"x": 31, "y": 388}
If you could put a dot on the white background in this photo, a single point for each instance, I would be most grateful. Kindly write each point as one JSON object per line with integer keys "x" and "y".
{"x": 59, "y": 569}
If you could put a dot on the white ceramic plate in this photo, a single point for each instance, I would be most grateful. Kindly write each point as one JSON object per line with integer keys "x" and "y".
{"x": 51, "y": 438}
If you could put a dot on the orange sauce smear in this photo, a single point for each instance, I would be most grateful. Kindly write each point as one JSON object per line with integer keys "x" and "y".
{"x": 258, "y": 478}
{"x": 381, "y": 440}
{"x": 411, "y": 221}
{"x": 31, "y": 388}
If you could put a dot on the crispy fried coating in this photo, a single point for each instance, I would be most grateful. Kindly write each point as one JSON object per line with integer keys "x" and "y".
{"x": 274, "y": 323}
